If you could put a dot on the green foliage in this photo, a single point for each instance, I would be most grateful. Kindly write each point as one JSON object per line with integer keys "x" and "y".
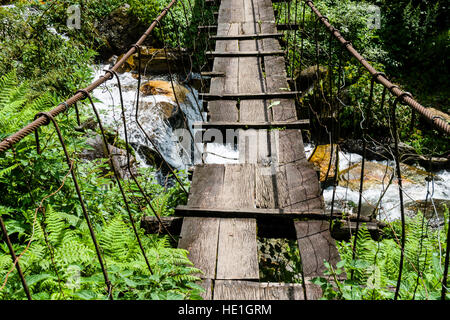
{"x": 16, "y": 107}
{"x": 61, "y": 262}
{"x": 46, "y": 59}
{"x": 279, "y": 260}
{"x": 375, "y": 269}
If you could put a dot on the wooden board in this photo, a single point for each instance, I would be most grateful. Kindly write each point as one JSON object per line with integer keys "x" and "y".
{"x": 316, "y": 245}
{"x": 247, "y": 290}
{"x": 199, "y": 236}
{"x": 224, "y": 110}
{"x": 207, "y": 185}
{"x": 237, "y": 254}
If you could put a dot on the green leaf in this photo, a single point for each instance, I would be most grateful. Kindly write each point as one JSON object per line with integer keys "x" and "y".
{"x": 273, "y": 104}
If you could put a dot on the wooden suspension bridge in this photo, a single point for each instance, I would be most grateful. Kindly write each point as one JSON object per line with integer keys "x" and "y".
{"x": 272, "y": 189}
{"x": 273, "y": 180}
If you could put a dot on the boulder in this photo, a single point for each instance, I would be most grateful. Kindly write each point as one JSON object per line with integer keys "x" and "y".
{"x": 168, "y": 111}
{"x": 153, "y": 61}
{"x": 440, "y": 204}
{"x": 321, "y": 159}
{"x": 120, "y": 29}
{"x": 160, "y": 87}
{"x": 376, "y": 174}
{"x": 382, "y": 150}
{"x": 119, "y": 156}
{"x": 306, "y": 78}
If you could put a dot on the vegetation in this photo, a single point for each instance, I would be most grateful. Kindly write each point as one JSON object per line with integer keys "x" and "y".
{"x": 373, "y": 274}
{"x": 40, "y": 66}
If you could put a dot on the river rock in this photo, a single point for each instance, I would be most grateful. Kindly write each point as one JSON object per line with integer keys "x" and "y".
{"x": 153, "y": 61}
{"x": 306, "y": 78}
{"x": 440, "y": 204}
{"x": 168, "y": 111}
{"x": 376, "y": 174}
{"x": 159, "y": 87}
{"x": 383, "y": 149}
{"x": 120, "y": 29}
{"x": 321, "y": 159}
{"x": 119, "y": 156}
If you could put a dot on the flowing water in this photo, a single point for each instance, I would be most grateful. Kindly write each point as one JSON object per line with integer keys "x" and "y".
{"x": 179, "y": 157}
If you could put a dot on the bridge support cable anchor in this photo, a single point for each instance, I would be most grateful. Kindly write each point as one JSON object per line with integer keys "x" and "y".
{"x": 144, "y": 194}
{"x": 69, "y": 162}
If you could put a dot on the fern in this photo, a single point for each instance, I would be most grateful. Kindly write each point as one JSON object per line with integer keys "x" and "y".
{"x": 17, "y": 107}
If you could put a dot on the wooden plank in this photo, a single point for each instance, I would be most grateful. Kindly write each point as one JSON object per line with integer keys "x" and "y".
{"x": 207, "y": 185}
{"x": 304, "y": 188}
{"x": 248, "y": 95}
{"x": 276, "y": 77}
{"x": 242, "y": 179}
{"x": 152, "y": 225}
{"x": 248, "y": 36}
{"x": 316, "y": 245}
{"x": 206, "y": 284}
{"x": 264, "y": 191}
{"x": 254, "y": 145}
{"x": 199, "y": 236}
{"x": 290, "y": 146}
{"x": 247, "y": 290}
{"x": 237, "y": 254}
{"x": 225, "y": 110}
{"x": 244, "y": 53}
{"x": 253, "y": 125}
{"x": 213, "y": 74}
{"x": 257, "y": 213}
{"x": 251, "y": 79}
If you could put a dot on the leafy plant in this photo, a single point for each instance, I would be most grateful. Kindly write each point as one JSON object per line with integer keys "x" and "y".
{"x": 373, "y": 274}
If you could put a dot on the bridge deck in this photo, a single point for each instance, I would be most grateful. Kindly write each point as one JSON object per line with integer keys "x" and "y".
{"x": 272, "y": 170}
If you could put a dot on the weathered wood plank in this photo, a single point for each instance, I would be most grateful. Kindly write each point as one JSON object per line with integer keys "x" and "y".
{"x": 253, "y": 125}
{"x": 257, "y": 213}
{"x": 251, "y": 36}
{"x": 206, "y": 284}
{"x": 304, "y": 188}
{"x": 264, "y": 192}
{"x": 244, "y": 53}
{"x": 237, "y": 254}
{"x": 207, "y": 185}
{"x": 225, "y": 110}
{"x": 245, "y": 76}
{"x": 200, "y": 237}
{"x": 316, "y": 245}
{"x": 247, "y": 290}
